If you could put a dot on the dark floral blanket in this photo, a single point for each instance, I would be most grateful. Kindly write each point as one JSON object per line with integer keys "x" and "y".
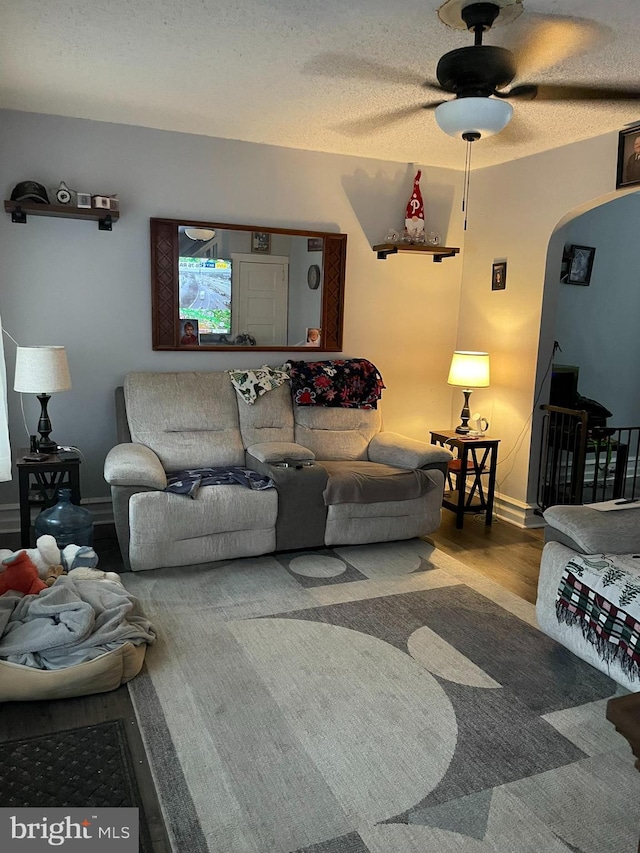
{"x": 348, "y": 383}
{"x": 188, "y": 481}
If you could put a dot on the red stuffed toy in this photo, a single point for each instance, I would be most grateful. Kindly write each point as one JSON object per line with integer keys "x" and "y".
{"x": 21, "y": 575}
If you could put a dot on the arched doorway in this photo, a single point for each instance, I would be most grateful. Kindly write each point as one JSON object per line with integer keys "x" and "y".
{"x": 595, "y": 325}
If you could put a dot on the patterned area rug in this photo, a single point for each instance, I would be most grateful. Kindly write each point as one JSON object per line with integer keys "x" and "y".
{"x": 373, "y": 699}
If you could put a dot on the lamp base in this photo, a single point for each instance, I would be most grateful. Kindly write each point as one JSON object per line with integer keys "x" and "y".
{"x": 465, "y": 414}
{"x": 45, "y": 445}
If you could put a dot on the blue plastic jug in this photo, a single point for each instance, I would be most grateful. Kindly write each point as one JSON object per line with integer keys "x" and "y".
{"x": 67, "y": 523}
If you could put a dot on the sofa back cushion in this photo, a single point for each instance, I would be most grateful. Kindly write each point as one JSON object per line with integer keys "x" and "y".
{"x": 334, "y": 433}
{"x": 190, "y": 420}
{"x": 270, "y": 418}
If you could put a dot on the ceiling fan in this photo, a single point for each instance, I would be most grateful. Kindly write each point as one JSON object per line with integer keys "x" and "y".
{"x": 478, "y": 75}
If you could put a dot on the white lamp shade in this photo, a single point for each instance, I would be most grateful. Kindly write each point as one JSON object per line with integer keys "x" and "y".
{"x": 41, "y": 370}
{"x": 200, "y": 233}
{"x": 485, "y": 116}
{"x": 469, "y": 370}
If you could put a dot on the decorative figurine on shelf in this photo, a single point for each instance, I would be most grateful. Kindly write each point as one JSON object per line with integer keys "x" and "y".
{"x": 63, "y": 194}
{"x": 414, "y": 218}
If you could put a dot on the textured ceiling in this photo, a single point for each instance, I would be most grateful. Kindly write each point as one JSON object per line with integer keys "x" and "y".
{"x": 244, "y": 69}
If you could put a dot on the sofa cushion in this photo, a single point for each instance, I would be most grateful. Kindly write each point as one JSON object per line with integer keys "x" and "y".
{"x": 373, "y": 482}
{"x": 270, "y": 418}
{"x": 355, "y": 524}
{"x": 336, "y": 433}
{"x": 189, "y": 420}
{"x": 592, "y": 531}
{"x": 220, "y": 523}
{"x": 215, "y": 509}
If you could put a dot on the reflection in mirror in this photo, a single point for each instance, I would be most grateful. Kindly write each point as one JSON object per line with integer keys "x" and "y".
{"x": 236, "y": 287}
{"x": 249, "y": 288}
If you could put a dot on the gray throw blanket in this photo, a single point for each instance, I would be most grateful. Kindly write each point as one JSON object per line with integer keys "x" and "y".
{"x": 70, "y": 622}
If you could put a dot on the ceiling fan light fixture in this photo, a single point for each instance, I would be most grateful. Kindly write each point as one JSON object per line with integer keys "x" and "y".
{"x": 200, "y": 233}
{"x": 485, "y": 116}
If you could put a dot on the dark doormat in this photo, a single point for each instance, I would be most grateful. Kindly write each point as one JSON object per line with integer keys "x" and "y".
{"x": 86, "y": 766}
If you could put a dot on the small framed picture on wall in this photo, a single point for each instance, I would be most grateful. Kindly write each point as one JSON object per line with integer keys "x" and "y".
{"x": 580, "y": 264}
{"x": 261, "y": 242}
{"x": 499, "y": 275}
{"x": 628, "y": 170}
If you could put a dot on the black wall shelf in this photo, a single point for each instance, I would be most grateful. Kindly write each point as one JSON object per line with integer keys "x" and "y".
{"x": 438, "y": 252}
{"x": 20, "y": 209}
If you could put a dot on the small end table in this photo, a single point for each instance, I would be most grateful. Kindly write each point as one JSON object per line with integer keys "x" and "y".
{"x": 470, "y": 461}
{"x": 39, "y": 483}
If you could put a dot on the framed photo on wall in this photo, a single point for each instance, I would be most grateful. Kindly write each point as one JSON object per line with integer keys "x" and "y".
{"x": 261, "y": 242}
{"x": 628, "y": 172}
{"x": 580, "y": 260}
{"x": 499, "y": 275}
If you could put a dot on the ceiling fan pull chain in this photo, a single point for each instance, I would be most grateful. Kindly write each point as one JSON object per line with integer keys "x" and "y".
{"x": 469, "y": 137}
{"x": 465, "y": 190}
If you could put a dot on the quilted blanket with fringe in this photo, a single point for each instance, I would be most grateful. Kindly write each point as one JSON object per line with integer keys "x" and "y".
{"x": 601, "y": 594}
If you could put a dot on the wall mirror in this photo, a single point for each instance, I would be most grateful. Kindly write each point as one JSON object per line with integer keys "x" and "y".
{"x": 229, "y": 287}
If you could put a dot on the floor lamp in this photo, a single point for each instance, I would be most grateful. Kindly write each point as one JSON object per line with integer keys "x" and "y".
{"x": 469, "y": 370}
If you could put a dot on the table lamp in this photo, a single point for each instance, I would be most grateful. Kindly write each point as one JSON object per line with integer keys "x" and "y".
{"x": 42, "y": 371}
{"x": 468, "y": 370}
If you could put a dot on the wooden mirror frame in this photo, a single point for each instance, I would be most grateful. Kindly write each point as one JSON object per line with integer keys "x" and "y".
{"x": 165, "y": 313}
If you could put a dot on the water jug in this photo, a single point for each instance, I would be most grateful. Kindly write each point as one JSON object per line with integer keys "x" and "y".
{"x": 67, "y": 523}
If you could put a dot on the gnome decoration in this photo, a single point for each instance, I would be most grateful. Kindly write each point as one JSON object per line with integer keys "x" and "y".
{"x": 414, "y": 221}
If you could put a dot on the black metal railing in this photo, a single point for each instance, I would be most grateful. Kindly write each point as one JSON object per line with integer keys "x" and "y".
{"x": 582, "y": 464}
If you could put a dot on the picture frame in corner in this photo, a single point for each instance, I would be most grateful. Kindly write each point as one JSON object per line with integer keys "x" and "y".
{"x": 83, "y": 199}
{"x": 580, "y": 265}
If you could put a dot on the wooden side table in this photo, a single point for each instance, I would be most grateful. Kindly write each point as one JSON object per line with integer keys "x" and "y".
{"x": 39, "y": 483}
{"x": 477, "y": 457}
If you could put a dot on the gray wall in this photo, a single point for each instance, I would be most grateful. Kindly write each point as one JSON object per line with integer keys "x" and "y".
{"x": 65, "y": 282}
{"x": 597, "y": 326}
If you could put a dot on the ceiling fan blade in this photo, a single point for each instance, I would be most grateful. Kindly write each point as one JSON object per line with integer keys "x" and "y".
{"x": 371, "y": 124}
{"x": 570, "y": 92}
{"x": 550, "y": 40}
{"x": 342, "y": 65}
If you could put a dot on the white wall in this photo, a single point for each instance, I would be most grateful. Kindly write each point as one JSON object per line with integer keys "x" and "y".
{"x": 64, "y": 282}
{"x": 516, "y": 208}
{"x": 597, "y": 326}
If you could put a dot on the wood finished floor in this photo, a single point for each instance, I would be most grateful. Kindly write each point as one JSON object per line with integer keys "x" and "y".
{"x": 505, "y": 553}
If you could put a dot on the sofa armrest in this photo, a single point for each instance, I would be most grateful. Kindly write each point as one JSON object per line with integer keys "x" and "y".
{"x": 278, "y": 451}
{"x": 134, "y": 465}
{"x": 593, "y": 532}
{"x": 391, "y": 448}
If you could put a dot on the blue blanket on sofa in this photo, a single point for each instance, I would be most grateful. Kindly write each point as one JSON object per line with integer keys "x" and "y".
{"x": 188, "y": 481}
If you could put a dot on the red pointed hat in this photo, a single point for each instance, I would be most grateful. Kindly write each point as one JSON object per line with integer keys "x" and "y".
{"x": 415, "y": 207}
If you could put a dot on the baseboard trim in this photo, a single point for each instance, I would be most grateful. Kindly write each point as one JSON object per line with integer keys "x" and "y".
{"x": 100, "y": 508}
{"x": 516, "y": 512}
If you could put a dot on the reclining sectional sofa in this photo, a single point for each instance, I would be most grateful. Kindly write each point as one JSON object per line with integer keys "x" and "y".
{"x": 339, "y": 479}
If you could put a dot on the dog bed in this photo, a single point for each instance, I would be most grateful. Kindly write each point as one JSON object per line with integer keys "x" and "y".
{"x": 20, "y": 683}
{"x": 75, "y": 638}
